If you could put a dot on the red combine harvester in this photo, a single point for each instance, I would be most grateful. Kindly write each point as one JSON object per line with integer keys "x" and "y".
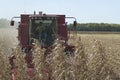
{"x": 45, "y": 28}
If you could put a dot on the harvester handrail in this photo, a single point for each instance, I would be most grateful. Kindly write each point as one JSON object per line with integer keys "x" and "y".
{"x": 15, "y": 17}
{"x": 72, "y": 18}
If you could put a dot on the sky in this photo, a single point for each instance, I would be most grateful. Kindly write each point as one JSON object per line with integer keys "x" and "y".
{"x": 86, "y": 11}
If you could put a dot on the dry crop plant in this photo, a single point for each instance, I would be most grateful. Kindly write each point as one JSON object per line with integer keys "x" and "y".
{"x": 61, "y": 68}
{"x": 97, "y": 63}
{"x": 113, "y": 60}
{"x": 39, "y": 63}
{"x": 20, "y": 64}
{"x": 4, "y": 66}
{"x": 52, "y": 66}
{"x": 80, "y": 66}
{"x": 79, "y": 62}
{"x": 64, "y": 67}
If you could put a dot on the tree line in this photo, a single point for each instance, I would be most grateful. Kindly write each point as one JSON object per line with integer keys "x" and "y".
{"x": 80, "y": 26}
{"x": 95, "y": 27}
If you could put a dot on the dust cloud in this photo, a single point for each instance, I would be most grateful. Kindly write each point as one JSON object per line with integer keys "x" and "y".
{"x": 8, "y": 39}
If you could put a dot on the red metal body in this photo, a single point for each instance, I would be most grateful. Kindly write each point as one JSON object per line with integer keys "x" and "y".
{"x": 23, "y": 29}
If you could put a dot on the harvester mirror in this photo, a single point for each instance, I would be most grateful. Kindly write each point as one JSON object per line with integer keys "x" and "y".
{"x": 12, "y": 23}
{"x": 75, "y": 23}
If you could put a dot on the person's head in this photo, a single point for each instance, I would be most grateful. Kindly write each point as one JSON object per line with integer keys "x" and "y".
{"x": 40, "y": 23}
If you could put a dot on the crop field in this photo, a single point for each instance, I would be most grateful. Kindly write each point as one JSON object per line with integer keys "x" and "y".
{"x": 96, "y": 57}
{"x": 110, "y": 47}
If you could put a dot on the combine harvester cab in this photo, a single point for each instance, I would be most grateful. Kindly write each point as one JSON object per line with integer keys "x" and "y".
{"x": 45, "y": 28}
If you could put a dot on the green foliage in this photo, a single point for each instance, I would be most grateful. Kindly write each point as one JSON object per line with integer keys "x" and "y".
{"x": 95, "y": 27}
